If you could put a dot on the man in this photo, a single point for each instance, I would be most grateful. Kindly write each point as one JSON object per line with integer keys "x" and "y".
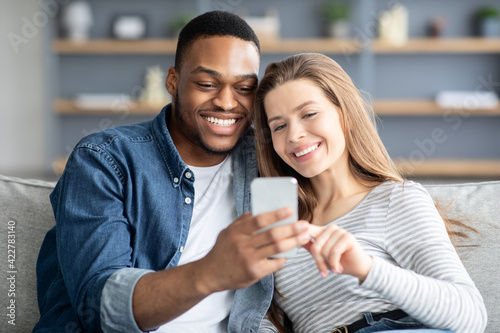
{"x": 145, "y": 236}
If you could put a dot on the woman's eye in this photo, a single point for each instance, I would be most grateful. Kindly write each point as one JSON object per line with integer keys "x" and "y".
{"x": 279, "y": 127}
{"x": 310, "y": 115}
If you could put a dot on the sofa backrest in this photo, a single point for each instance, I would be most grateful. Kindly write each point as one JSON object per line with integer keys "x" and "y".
{"x": 478, "y": 206}
{"x": 25, "y": 217}
{"x": 26, "y": 213}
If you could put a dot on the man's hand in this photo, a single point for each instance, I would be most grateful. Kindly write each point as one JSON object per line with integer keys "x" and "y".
{"x": 241, "y": 255}
{"x": 239, "y": 258}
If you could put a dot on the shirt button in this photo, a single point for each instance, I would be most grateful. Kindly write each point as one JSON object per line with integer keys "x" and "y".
{"x": 187, "y": 200}
{"x": 188, "y": 175}
{"x": 176, "y": 180}
{"x": 181, "y": 249}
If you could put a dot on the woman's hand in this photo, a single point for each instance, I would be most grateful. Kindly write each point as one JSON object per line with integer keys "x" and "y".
{"x": 337, "y": 250}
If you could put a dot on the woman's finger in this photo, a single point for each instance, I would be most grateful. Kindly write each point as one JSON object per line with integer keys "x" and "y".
{"x": 316, "y": 248}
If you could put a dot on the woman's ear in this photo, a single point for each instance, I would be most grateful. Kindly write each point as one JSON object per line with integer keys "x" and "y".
{"x": 172, "y": 79}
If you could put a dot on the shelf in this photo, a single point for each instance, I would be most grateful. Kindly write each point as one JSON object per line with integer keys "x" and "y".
{"x": 109, "y": 46}
{"x": 168, "y": 46}
{"x": 322, "y": 45}
{"x": 381, "y": 107}
{"x": 451, "y": 168}
{"x": 439, "y": 45}
{"x": 69, "y": 107}
{"x": 424, "y": 108}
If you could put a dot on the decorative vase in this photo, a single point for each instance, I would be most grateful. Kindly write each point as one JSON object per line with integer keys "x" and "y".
{"x": 338, "y": 29}
{"x": 77, "y": 20}
{"x": 393, "y": 25}
{"x": 489, "y": 27}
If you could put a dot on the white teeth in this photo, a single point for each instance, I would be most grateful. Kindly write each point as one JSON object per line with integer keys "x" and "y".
{"x": 306, "y": 151}
{"x": 221, "y": 122}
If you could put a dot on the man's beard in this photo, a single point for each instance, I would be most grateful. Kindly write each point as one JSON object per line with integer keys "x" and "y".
{"x": 195, "y": 135}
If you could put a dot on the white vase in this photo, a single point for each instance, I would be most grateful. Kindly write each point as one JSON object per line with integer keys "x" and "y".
{"x": 77, "y": 20}
{"x": 338, "y": 29}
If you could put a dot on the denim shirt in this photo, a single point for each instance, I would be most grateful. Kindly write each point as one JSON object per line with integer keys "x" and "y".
{"x": 122, "y": 211}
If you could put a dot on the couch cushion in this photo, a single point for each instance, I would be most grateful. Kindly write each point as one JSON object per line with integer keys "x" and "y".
{"x": 25, "y": 207}
{"x": 478, "y": 206}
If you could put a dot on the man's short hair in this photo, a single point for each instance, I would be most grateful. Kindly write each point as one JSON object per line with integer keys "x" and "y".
{"x": 211, "y": 24}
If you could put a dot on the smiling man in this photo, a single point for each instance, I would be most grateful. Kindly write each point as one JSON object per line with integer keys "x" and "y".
{"x": 151, "y": 230}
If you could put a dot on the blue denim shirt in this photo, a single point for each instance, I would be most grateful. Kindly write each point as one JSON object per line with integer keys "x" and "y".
{"x": 121, "y": 212}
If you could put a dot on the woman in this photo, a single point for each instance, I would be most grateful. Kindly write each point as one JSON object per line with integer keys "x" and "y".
{"x": 392, "y": 263}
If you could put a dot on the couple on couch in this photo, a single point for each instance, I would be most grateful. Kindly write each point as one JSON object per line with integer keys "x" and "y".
{"x": 153, "y": 230}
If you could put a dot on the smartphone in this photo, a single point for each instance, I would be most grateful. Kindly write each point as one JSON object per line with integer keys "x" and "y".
{"x": 272, "y": 193}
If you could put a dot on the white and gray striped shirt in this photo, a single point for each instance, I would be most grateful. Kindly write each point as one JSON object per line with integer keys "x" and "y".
{"x": 415, "y": 269}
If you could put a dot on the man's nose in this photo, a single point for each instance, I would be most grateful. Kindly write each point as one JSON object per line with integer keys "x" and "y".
{"x": 225, "y": 99}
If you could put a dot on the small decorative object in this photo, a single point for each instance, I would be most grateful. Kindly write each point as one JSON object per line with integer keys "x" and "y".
{"x": 337, "y": 13}
{"x": 129, "y": 27}
{"x": 103, "y": 101}
{"x": 437, "y": 26}
{"x": 488, "y": 20}
{"x": 266, "y": 27}
{"x": 77, "y": 20}
{"x": 154, "y": 92}
{"x": 179, "y": 22}
{"x": 393, "y": 25}
{"x": 467, "y": 99}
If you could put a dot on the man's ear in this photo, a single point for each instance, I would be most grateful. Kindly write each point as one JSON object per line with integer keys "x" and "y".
{"x": 172, "y": 79}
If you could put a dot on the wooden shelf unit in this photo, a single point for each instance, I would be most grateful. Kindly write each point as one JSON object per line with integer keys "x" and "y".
{"x": 168, "y": 46}
{"x": 439, "y": 45}
{"x": 432, "y": 168}
{"x": 425, "y": 108}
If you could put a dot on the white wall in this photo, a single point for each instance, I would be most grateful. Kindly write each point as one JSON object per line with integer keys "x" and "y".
{"x": 22, "y": 96}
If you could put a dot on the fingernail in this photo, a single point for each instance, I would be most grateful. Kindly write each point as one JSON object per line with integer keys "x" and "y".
{"x": 323, "y": 274}
{"x": 304, "y": 237}
{"x": 284, "y": 212}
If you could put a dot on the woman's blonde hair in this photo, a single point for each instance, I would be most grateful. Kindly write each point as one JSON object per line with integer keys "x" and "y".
{"x": 369, "y": 161}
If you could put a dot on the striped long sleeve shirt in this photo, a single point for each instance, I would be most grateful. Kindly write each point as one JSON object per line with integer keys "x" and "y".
{"x": 415, "y": 268}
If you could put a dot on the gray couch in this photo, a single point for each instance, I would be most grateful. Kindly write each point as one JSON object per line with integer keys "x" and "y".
{"x": 26, "y": 213}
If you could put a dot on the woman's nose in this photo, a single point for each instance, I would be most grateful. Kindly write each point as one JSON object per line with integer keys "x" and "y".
{"x": 295, "y": 132}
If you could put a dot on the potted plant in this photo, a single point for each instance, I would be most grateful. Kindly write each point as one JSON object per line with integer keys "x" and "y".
{"x": 337, "y": 13}
{"x": 179, "y": 22}
{"x": 488, "y": 20}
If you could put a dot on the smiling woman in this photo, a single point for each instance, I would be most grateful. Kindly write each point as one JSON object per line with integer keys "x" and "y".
{"x": 393, "y": 264}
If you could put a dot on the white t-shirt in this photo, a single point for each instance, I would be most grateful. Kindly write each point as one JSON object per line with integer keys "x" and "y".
{"x": 213, "y": 211}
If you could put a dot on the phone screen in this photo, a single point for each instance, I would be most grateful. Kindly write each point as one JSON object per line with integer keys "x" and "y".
{"x": 272, "y": 193}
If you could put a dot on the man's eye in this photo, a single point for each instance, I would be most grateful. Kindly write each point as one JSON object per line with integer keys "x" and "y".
{"x": 205, "y": 85}
{"x": 246, "y": 90}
